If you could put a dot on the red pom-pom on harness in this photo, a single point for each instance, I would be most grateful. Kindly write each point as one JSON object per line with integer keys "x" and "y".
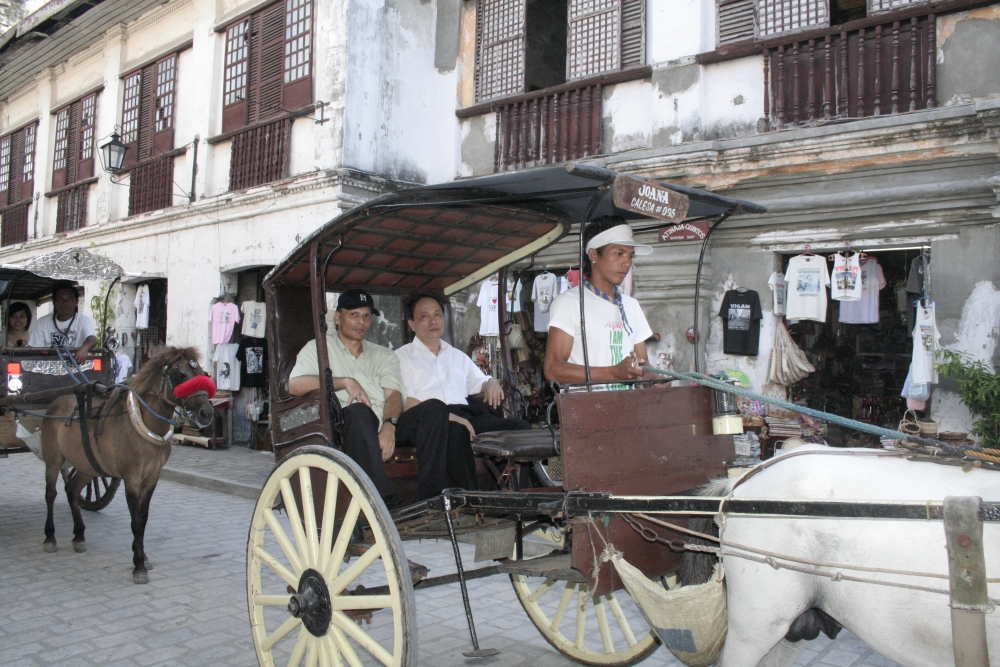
{"x": 194, "y": 385}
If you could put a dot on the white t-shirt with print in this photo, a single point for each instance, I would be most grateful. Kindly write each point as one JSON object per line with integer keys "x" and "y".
{"x": 608, "y": 341}
{"x": 865, "y": 310}
{"x": 845, "y": 284}
{"x": 489, "y": 313}
{"x": 543, "y": 292}
{"x": 142, "y": 306}
{"x": 778, "y": 287}
{"x": 254, "y": 318}
{"x": 926, "y": 342}
{"x": 48, "y": 332}
{"x": 807, "y": 279}
{"x": 227, "y": 367}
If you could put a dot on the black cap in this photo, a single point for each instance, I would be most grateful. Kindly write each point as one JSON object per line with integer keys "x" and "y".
{"x": 356, "y": 298}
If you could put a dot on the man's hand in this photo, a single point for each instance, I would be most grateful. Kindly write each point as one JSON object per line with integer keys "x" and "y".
{"x": 463, "y": 422}
{"x": 356, "y": 393}
{"x": 493, "y": 392}
{"x": 81, "y": 355}
{"x": 629, "y": 368}
{"x": 387, "y": 440}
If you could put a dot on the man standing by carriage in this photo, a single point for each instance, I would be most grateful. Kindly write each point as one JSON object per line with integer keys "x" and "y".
{"x": 616, "y": 326}
{"x": 66, "y": 326}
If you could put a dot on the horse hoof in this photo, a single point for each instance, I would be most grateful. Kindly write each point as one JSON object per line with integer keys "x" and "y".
{"x": 140, "y": 577}
{"x": 50, "y": 547}
{"x": 79, "y": 547}
{"x": 148, "y": 564}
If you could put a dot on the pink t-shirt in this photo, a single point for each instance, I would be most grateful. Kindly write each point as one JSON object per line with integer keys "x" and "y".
{"x": 224, "y": 317}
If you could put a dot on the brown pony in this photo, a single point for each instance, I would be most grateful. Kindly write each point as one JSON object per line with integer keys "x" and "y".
{"x": 126, "y": 441}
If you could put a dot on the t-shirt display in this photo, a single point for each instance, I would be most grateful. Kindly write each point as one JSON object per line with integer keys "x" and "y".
{"x": 543, "y": 291}
{"x": 124, "y": 365}
{"x": 252, "y": 355}
{"x": 564, "y": 284}
{"x": 926, "y": 342}
{"x": 71, "y": 333}
{"x": 227, "y": 368}
{"x": 845, "y": 285}
{"x": 513, "y": 296}
{"x": 254, "y": 317}
{"x": 489, "y": 314}
{"x": 224, "y": 317}
{"x": 915, "y": 278}
{"x": 142, "y": 307}
{"x": 865, "y": 310}
{"x": 573, "y": 276}
{"x": 807, "y": 279}
{"x": 741, "y": 316}
{"x": 609, "y": 338}
{"x": 778, "y": 288}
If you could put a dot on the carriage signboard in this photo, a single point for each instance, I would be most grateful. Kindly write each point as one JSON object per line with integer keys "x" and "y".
{"x": 650, "y": 198}
{"x": 685, "y": 231}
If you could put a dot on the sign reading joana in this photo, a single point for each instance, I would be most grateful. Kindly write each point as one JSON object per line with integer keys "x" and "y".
{"x": 649, "y": 198}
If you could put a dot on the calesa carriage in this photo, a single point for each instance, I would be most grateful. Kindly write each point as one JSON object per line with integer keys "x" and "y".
{"x": 328, "y": 578}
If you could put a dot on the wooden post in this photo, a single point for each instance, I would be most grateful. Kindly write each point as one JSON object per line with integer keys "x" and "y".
{"x": 779, "y": 101}
{"x": 861, "y": 73}
{"x": 843, "y": 93}
{"x": 967, "y": 578}
{"x": 811, "y": 82}
{"x": 913, "y": 64}
{"x": 795, "y": 82}
{"x": 827, "y": 76}
{"x": 878, "y": 71}
{"x": 931, "y": 78}
{"x": 895, "y": 67}
{"x": 767, "y": 88}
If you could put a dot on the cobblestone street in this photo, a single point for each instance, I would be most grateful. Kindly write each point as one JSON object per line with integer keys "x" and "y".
{"x": 72, "y": 609}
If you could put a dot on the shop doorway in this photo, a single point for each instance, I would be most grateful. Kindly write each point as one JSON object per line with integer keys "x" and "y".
{"x": 151, "y": 340}
{"x": 860, "y": 366}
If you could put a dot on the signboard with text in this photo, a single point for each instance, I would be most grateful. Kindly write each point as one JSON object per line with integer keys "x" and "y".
{"x": 649, "y": 198}
{"x": 686, "y": 231}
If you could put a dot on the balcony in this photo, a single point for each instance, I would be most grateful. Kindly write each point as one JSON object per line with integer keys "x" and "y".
{"x": 151, "y": 186}
{"x": 260, "y": 154}
{"x": 14, "y": 224}
{"x": 71, "y": 209}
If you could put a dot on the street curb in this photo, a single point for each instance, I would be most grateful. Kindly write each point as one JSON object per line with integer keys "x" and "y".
{"x": 210, "y": 483}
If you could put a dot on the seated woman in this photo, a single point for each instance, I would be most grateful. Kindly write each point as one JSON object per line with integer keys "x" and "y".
{"x": 18, "y": 321}
{"x": 437, "y": 418}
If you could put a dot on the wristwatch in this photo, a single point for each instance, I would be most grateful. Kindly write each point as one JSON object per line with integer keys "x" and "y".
{"x": 390, "y": 420}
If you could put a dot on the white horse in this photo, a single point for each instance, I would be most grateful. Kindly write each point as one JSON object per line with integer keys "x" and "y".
{"x": 911, "y": 627}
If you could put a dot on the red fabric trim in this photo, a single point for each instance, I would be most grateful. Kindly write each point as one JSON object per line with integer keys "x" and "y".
{"x": 195, "y": 384}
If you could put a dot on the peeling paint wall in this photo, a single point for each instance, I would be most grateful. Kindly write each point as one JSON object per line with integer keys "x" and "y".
{"x": 968, "y": 53}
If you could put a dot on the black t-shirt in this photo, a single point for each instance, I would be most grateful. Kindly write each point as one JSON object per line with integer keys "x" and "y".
{"x": 741, "y": 314}
{"x": 252, "y": 354}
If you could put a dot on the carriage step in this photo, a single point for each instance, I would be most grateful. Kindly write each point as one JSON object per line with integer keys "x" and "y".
{"x": 552, "y": 567}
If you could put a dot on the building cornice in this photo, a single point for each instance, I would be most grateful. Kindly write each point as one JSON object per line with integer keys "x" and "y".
{"x": 152, "y": 17}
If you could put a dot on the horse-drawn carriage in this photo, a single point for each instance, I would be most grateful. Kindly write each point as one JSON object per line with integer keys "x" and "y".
{"x": 324, "y": 554}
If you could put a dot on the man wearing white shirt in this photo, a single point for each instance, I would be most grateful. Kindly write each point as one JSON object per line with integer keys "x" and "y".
{"x": 66, "y": 326}
{"x": 437, "y": 418}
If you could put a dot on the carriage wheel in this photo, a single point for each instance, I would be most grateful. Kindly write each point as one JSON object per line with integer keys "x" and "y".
{"x": 311, "y": 585}
{"x": 98, "y": 493}
{"x": 607, "y": 631}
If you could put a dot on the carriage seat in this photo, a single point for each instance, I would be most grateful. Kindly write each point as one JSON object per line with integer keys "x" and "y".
{"x": 519, "y": 446}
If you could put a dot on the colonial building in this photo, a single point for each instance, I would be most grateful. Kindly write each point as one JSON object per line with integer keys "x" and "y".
{"x": 872, "y": 124}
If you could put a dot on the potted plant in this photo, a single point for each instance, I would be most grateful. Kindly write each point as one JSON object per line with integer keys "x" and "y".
{"x": 979, "y": 389}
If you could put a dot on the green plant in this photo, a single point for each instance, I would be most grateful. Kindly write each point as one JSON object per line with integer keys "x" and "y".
{"x": 101, "y": 308}
{"x": 979, "y": 388}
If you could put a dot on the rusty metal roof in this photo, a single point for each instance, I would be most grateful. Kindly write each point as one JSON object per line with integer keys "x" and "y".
{"x": 448, "y": 236}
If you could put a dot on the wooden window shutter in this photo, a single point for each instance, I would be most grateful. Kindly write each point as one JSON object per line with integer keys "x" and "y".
{"x": 499, "y": 48}
{"x": 17, "y": 166}
{"x": 144, "y": 142}
{"x": 296, "y": 89}
{"x": 234, "y": 100}
{"x": 778, "y": 16}
{"x": 5, "y": 170}
{"x": 74, "y": 151}
{"x": 163, "y": 98}
{"x": 267, "y": 63}
{"x": 736, "y": 21}
{"x": 594, "y": 38}
{"x": 130, "y": 116}
{"x": 85, "y": 133}
{"x": 28, "y": 165}
{"x": 60, "y": 162}
{"x": 14, "y": 194}
{"x": 633, "y": 33}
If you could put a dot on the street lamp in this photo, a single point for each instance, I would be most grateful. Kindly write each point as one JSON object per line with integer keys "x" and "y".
{"x": 113, "y": 154}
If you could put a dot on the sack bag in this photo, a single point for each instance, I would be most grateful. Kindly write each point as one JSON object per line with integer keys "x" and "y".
{"x": 691, "y": 621}
{"x": 909, "y": 424}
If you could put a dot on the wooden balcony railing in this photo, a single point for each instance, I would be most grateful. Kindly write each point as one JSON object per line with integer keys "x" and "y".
{"x": 884, "y": 69}
{"x": 552, "y": 127}
{"x": 71, "y": 211}
{"x": 151, "y": 186}
{"x": 260, "y": 154}
{"x": 14, "y": 224}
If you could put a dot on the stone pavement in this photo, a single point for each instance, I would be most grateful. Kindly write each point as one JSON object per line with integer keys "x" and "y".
{"x": 73, "y": 609}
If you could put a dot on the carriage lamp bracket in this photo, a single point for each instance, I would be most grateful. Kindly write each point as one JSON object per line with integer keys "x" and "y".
{"x": 312, "y": 604}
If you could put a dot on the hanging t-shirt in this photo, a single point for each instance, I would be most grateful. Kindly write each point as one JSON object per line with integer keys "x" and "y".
{"x": 777, "y": 284}
{"x": 926, "y": 342}
{"x": 807, "y": 279}
{"x": 252, "y": 355}
{"x": 513, "y": 296}
{"x": 543, "y": 292}
{"x": 608, "y": 339}
{"x": 124, "y": 365}
{"x": 489, "y": 315}
{"x": 741, "y": 316}
{"x": 227, "y": 368}
{"x": 573, "y": 275}
{"x": 845, "y": 285}
{"x": 71, "y": 333}
{"x": 142, "y": 307}
{"x": 865, "y": 310}
{"x": 254, "y": 318}
{"x": 563, "y": 284}
{"x": 915, "y": 279}
{"x": 224, "y": 317}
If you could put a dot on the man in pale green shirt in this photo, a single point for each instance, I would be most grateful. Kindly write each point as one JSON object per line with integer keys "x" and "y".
{"x": 368, "y": 382}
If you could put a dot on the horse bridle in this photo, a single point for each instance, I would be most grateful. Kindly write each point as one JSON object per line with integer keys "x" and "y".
{"x": 135, "y": 415}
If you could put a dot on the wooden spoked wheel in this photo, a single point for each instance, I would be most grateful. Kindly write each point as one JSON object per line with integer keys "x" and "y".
{"x": 98, "y": 493}
{"x": 609, "y": 630}
{"x": 317, "y": 596}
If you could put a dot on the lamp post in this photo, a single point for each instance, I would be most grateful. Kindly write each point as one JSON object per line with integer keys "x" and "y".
{"x": 113, "y": 154}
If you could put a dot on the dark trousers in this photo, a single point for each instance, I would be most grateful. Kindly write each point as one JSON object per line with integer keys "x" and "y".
{"x": 484, "y": 421}
{"x": 361, "y": 444}
{"x": 443, "y": 449}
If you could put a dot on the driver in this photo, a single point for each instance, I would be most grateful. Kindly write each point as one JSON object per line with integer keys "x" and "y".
{"x": 616, "y": 327}
{"x": 66, "y": 326}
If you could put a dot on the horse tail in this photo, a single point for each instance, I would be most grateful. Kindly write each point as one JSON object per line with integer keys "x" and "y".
{"x": 720, "y": 486}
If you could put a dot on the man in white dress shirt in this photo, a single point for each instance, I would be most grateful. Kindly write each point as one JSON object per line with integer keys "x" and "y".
{"x": 437, "y": 418}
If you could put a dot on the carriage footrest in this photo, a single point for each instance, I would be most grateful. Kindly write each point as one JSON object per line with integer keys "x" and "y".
{"x": 552, "y": 567}
{"x": 519, "y": 446}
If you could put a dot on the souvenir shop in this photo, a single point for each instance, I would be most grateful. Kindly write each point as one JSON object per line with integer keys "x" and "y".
{"x": 142, "y": 338}
{"x": 856, "y": 337}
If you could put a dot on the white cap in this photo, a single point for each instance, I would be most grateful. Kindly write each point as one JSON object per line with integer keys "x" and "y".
{"x": 622, "y": 235}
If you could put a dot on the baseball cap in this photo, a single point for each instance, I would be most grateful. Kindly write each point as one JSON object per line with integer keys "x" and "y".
{"x": 620, "y": 234}
{"x": 356, "y": 298}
